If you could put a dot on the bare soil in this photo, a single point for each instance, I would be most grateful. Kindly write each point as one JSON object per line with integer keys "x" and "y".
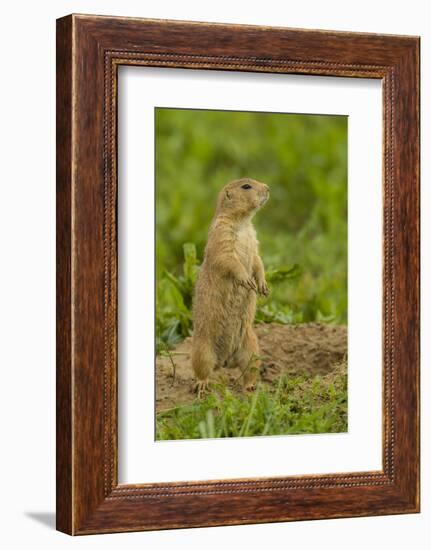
{"x": 308, "y": 350}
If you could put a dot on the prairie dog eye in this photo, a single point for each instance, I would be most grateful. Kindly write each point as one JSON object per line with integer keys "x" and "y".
{"x": 246, "y": 186}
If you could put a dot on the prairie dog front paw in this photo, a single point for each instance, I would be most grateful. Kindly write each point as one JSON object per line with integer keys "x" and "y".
{"x": 249, "y": 283}
{"x": 263, "y": 288}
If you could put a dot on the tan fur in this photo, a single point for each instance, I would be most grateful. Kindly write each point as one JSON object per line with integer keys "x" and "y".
{"x": 230, "y": 276}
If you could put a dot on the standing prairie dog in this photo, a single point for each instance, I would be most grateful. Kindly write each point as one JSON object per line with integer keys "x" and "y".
{"x": 231, "y": 275}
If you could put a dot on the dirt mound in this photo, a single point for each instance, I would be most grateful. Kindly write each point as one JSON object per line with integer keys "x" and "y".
{"x": 296, "y": 350}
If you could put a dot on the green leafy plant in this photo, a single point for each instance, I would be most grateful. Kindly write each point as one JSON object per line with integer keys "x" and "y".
{"x": 185, "y": 282}
{"x": 174, "y": 298}
{"x": 285, "y": 273}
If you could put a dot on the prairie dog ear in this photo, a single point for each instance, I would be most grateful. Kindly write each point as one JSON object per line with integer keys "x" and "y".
{"x": 227, "y": 194}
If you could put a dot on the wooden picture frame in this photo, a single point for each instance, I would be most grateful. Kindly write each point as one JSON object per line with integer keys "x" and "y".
{"x": 89, "y": 51}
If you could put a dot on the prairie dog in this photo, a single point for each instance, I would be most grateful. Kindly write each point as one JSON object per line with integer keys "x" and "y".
{"x": 231, "y": 275}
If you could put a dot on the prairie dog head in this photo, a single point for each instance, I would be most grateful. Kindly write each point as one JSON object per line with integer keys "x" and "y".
{"x": 242, "y": 198}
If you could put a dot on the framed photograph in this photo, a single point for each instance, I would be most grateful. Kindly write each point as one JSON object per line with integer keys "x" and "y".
{"x": 237, "y": 274}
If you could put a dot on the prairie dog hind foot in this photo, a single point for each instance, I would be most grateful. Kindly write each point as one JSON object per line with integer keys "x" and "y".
{"x": 201, "y": 387}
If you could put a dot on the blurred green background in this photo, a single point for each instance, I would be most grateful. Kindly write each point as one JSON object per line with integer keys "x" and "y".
{"x": 302, "y": 229}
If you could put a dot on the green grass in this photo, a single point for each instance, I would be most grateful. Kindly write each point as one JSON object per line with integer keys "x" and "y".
{"x": 293, "y": 405}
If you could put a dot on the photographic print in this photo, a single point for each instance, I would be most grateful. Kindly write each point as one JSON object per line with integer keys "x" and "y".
{"x": 251, "y": 273}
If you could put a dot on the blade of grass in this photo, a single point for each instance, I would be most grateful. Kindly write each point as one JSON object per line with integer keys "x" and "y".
{"x": 245, "y": 427}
